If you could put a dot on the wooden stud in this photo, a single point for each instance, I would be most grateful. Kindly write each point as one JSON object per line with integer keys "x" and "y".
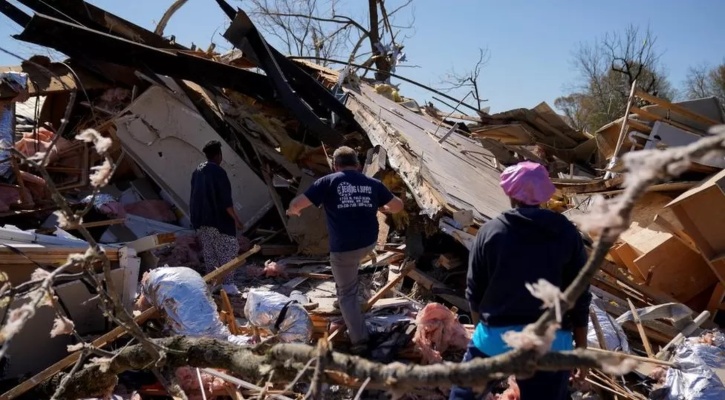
{"x": 640, "y": 328}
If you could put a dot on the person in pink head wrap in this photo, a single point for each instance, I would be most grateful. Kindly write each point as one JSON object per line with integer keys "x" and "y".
{"x": 527, "y": 183}
{"x": 522, "y": 246}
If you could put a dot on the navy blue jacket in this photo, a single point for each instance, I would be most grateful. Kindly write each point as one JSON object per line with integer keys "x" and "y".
{"x": 522, "y": 246}
{"x": 211, "y": 195}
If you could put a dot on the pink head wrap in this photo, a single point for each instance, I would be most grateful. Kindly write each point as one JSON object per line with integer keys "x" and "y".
{"x": 528, "y": 183}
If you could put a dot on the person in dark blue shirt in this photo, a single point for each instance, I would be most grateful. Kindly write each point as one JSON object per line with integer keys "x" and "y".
{"x": 212, "y": 213}
{"x": 519, "y": 247}
{"x": 351, "y": 201}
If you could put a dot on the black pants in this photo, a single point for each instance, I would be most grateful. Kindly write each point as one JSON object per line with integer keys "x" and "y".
{"x": 542, "y": 386}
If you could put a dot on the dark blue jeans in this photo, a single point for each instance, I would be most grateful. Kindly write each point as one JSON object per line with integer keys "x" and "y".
{"x": 542, "y": 386}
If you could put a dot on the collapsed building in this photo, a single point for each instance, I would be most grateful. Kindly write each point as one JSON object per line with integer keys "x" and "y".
{"x": 159, "y": 102}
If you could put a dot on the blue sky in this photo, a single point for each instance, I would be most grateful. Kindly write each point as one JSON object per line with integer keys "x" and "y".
{"x": 530, "y": 42}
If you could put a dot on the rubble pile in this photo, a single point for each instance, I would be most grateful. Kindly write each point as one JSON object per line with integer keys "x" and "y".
{"x": 158, "y": 103}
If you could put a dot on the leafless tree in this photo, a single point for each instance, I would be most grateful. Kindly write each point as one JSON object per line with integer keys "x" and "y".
{"x": 455, "y": 81}
{"x": 575, "y": 109}
{"x": 703, "y": 81}
{"x": 308, "y": 28}
{"x": 607, "y": 69}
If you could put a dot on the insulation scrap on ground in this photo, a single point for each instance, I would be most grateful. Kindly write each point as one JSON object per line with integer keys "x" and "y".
{"x": 437, "y": 331}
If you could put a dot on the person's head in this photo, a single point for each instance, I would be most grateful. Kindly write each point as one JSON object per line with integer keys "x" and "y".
{"x": 213, "y": 151}
{"x": 345, "y": 158}
{"x": 527, "y": 184}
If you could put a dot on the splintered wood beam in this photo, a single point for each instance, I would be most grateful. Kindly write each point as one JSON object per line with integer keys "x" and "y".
{"x": 430, "y": 283}
{"x": 405, "y": 269}
{"x": 675, "y": 108}
{"x": 640, "y": 328}
{"x": 650, "y": 116}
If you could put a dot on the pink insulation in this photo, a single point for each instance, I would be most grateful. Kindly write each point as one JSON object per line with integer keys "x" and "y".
{"x": 157, "y": 210}
{"x": 438, "y": 330}
{"x": 189, "y": 382}
{"x": 270, "y": 270}
{"x": 28, "y": 145}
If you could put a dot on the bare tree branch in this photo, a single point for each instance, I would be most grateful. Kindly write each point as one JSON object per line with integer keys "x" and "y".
{"x": 468, "y": 80}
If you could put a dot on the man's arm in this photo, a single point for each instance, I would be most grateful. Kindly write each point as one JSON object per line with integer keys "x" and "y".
{"x": 387, "y": 201}
{"x": 393, "y": 206}
{"x": 298, "y": 204}
{"x": 313, "y": 196}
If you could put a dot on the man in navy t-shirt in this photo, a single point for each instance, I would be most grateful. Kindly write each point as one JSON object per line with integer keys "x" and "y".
{"x": 351, "y": 201}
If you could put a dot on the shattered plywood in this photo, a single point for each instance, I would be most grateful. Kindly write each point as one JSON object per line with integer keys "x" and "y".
{"x": 165, "y": 138}
{"x": 701, "y": 211}
{"x": 675, "y": 269}
{"x": 457, "y": 174}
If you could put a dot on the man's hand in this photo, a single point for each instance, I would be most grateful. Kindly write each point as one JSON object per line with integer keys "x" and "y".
{"x": 239, "y": 225}
{"x": 292, "y": 213}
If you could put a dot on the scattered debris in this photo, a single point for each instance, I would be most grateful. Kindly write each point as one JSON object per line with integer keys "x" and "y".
{"x": 154, "y": 103}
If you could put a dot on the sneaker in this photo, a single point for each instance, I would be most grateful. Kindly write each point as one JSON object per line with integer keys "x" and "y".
{"x": 231, "y": 290}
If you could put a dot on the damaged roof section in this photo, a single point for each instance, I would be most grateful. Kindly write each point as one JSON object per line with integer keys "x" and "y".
{"x": 444, "y": 172}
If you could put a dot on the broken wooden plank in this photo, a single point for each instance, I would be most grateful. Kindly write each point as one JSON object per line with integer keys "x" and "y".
{"x": 405, "y": 269}
{"x": 650, "y": 116}
{"x": 640, "y": 328}
{"x": 675, "y": 108}
{"x": 430, "y": 283}
{"x": 229, "y": 310}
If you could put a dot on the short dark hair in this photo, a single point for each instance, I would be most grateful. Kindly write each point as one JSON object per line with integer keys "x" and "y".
{"x": 212, "y": 149}
{"x": 345, "y": 157}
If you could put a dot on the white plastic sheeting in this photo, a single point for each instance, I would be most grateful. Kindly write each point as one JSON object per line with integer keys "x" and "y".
{"x": 696, "y": 378}
{"x": 263, "y": 309}
{"x": 614, "y": 337}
